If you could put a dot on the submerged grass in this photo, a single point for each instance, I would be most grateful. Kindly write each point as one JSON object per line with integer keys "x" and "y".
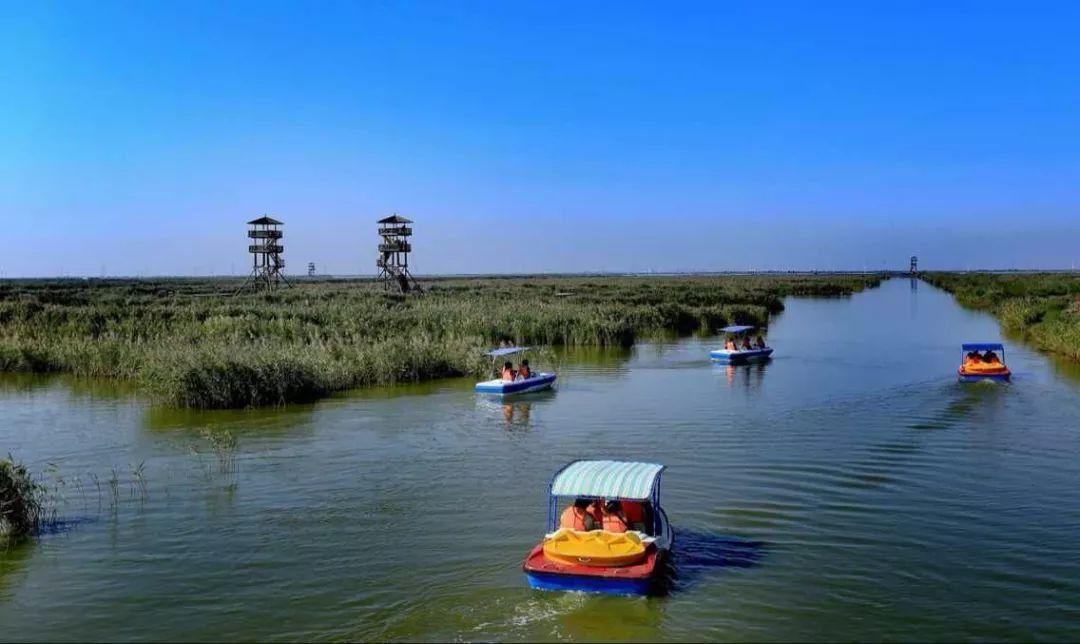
{"x": 190, "y": 343}
{"x": 1041, "y": 308}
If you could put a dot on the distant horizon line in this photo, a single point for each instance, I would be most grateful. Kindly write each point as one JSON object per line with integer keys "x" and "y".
{"x": 375, "y": 277}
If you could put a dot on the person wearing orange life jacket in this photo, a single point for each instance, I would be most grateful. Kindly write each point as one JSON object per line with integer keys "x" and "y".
{"x": 611, "y": 517}
{"x": 579, "y": 516}
{"x": 990, "y": 358}
{"x": 508, "y": 371}
{"x": 524, "y": 371}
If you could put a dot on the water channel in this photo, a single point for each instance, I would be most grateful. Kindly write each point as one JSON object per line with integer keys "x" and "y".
{"x": 849, "y": 489}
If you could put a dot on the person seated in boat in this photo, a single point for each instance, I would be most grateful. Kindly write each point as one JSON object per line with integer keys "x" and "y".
{"x": 524, "y": 371}
{"x": 611, "y": 517}
{"x": 634, "y": 513}
{"x": 746, "y": 346}
{"x": 991, "y": 358}
{"x": 580, "y": 516}
{"x": 508, "y": 371}
{"x": 972, "y": 357}
{"x": 760, "y": 344}
{"x": 729, "y": 345}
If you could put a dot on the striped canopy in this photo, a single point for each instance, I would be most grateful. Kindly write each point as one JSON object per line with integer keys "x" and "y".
{"x": 608, "y": 479}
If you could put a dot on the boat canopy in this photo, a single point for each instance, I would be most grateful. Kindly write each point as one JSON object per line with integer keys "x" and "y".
{"x": 738, "y": 328}
{"x": 608, "y": 479}
{"x": 983, "y": 346}
{"x": 506, "y": 351}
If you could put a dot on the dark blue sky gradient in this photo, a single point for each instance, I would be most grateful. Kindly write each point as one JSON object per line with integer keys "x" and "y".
{"x": 137, "y": 137}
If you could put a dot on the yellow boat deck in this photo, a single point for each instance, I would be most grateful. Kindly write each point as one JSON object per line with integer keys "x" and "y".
{"x": 595, "y": 548}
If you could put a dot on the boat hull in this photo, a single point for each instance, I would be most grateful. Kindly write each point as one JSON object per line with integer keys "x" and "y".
{"x": 741, "y": 357}
{"x": 639, "y": 579}
{"x": 606, "y": 585}
{"x": 976, "y": 376}
{"x": 539, "y": 382}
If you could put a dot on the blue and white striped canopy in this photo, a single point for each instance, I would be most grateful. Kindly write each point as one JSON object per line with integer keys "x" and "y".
{"x": 982, "y": 346}
{"x": 608, "y": 479}
{"x": 738, "y": 328}
{"x": 506, "y": 351}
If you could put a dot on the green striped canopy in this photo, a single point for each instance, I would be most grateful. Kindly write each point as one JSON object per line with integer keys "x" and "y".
{"x": 608, "y": 479}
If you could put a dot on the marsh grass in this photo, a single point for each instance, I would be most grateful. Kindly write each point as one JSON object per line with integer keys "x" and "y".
{"x": 190, "y": 343}
{"x": 1041, "y": 308}
{"x": 21, "y": 503}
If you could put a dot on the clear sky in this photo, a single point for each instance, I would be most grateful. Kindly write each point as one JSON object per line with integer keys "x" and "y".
{"x": 138, "y": 137}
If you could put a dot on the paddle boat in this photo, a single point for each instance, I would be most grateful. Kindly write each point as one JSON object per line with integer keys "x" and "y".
{"x": 978, "y": 369}
{"x": 740, "y": 356}
{"x": 538, "y": 381}
{"x": 599, "y": 561}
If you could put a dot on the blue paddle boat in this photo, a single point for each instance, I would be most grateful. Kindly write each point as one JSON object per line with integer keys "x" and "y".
{"x": 739, "y": 356}
{"x": 625, "y": 562}
{"x": 983, "y": 361}
{"x": 537, "y": 380}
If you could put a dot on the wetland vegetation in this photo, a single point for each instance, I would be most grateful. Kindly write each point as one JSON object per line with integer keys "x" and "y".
{"x": 1041, "y": 308}
{"x": 190, "y": 342}
{"x": 20, "y": 500}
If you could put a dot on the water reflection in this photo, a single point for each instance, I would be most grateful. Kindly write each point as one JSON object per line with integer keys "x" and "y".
{"x": 272, "y": 421}
{"x": 516, "y": 411}
{"x": 697, "y": 554}
{"x": 519, "y": 409}
{"x": 749, "y": 376}
{"x": 73, "y": 386}
{"x": 13, "y": 558}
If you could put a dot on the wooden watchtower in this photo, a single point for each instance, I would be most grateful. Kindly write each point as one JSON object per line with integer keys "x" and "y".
{"x": 267, "y": 265}
{"x": 393, "y": 261}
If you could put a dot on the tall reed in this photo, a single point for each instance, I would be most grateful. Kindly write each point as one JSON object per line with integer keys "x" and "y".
{"x": 1041, "y": 308}
{"x": 190, "y": 343}
{"x": 20, "y": 500}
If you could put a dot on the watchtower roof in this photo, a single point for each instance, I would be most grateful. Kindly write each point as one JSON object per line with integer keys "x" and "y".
{"x": 395, "y": 219}
{"x": 265, "y": 220}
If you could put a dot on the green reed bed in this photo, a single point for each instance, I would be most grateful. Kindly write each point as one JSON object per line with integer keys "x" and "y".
{"x": 189, "y": 342}
{"x": 20, "y": 501}
{"x": 1041, "y": 308}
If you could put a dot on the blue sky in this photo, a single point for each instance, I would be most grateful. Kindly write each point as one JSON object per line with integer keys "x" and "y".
{"x": 138, "y": 137}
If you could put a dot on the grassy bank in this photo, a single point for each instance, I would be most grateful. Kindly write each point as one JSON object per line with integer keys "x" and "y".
{"x": 1041, "y": 308}
{"x": 191, "y": 343}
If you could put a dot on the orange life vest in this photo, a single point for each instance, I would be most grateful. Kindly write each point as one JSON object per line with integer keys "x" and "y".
{"x": 525, "y": 372}
{"x": 574, "y": 519}
{"x": 614, "y": 523}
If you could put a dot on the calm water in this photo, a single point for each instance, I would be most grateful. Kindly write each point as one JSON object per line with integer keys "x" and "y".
{"x": 849, "y": 489}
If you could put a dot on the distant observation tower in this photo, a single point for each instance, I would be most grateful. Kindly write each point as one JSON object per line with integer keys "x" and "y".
{"x": 394, "y": 249}
{"x": 914, "y": 265}
{"x": 266, "y": 249}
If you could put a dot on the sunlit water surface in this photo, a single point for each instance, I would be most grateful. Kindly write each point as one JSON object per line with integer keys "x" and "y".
{"x": 849, "y": 489}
